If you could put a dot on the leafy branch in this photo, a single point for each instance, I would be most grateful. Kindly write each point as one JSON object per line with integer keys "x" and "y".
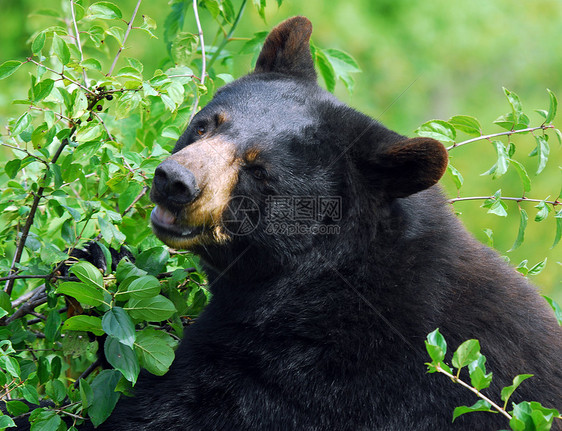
{"x": 525, "y": 416}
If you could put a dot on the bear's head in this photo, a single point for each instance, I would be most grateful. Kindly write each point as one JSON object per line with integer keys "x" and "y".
{"x": 277, "y": 163}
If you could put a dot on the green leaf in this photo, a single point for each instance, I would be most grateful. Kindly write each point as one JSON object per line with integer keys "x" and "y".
{"x": 171, "y": 132}
{"x": 56, "y": 391}
{"x": 90, "y": 132}
{"x": 83, "y": 323}
{"x": 49, "y": 421}
{"x": 117, "y": 323}
{"x": 552, "y": 109}
{"x": 22, "y": 123}
{"x": 155, "y": 350}
{"x": 38, "y": 43}
{"x": 515, "y": 103}
{"x": 544, "y": 210}
{"x": 532, "y": 416}
{"x": 6, "y": 422}
{"x": 83, "y": 292}
{"x": 523, "y": 218}
{"x": 438, "y": 129}
{"x": 43, "y": 89}
{"x": 52, "y": 326}
{"x": 478, "y": 377}
{"x": 508, "y": 390}
{"x": 29, "y": 392}
{"x": 104, "y": 396}
{"x": 153, "y": 260}
{"x": 511, "y": 122}
{"x": 9, "y": 67}
{"x": 343, "y": 66}
{"x": 122, "y": 358}
{"x": 16, "y": 408}
{"x": 144, "y": 287}
{"x": 326, "y": 70}
{"x": 260, "y": 6}
{"x": 495, "y": 205}
{"x": 105, "y": 10}
{"x": 128, "y": 197}
{"x": 226, "y": 77}
{"x": 558, "y": 218}
{"x": 542, "y": 150}
{"x": 523, "y": 175}
{"x": 502, "y": 162}
{"x": 88, "y": 273}
{"x": 456, "y": 175}
{"x": 537, "y": 269}
{"x": 86, "y": 393}
{"x": 92, "y": 64}
{"x": 12, "y": 168}
{"x": 522, "y": 267}
{"x": 154, "y": 309}
{"x": 466, "y": 353}
{"x": 60, "y": 48}
{"x": 556, "y": 308}
{"x": 436, "y": 346}
{"x": 466, "y": 124}
{"x": 479, "y": 406}
{"x": 126, "y": 269}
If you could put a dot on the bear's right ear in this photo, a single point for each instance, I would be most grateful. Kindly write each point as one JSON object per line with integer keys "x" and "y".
{"x": 408, "y": 166}
{"x": 287, "y": 49}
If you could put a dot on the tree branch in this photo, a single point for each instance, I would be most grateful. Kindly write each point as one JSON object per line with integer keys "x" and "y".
{"x": 474, "y": 390}
{"x": 124, "y": 38}
{"x": 493, "y": 135}
{"x": 505, "y": 198}
{"x": 77, "y": 41}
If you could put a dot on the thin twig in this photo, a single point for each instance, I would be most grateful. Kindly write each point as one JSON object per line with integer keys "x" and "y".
{"x": 31, "y": 216}
{"x": 228, "y": 37}
{"x": 202, "y": 43}
{"x": 203, "y": 60}
{"x": 13, "y": 147}
{"x": 474, "y": 390}
{"x": 138, "y": 198}
{"x": 87, "y": 372}
{"x": 62, "y": 75}
{"x": 104, "y": 125}
{"x": 505, "y": 198}
{"x": 124, "y": 38}
{"x": 509, "y": 133}
{"x": 77, "y": 41}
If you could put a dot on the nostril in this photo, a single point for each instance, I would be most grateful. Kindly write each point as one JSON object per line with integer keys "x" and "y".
{"x": 160, "y": 179}
{"x": 178, "y": 188}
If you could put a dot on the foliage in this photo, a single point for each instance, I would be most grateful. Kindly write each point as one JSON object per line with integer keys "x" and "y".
{"x": 523, "y": 416}
{"x": 85, "y": 144}
{"x": 85, "y": 148}
{"x": 515, "y": 122}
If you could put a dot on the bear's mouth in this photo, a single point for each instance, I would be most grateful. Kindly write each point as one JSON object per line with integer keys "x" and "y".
{"x": 165, "y": 225}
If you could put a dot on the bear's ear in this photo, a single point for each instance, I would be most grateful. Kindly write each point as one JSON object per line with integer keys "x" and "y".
{"x": 409, "y": 166}
{"x": 287, "y": 49}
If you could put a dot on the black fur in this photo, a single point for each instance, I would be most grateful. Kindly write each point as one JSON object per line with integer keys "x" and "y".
{"x": 326, "y": 332}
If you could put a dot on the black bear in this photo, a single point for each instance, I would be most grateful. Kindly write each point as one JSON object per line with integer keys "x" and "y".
{"x": 331, "y": 254}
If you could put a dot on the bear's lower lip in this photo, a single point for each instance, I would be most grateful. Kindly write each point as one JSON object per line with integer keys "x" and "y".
{"x": 164, "y": 223}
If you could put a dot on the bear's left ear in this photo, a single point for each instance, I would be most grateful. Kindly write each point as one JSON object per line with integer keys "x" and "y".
{"x": 409, "y": 166}
{"x": 287, "y": 49}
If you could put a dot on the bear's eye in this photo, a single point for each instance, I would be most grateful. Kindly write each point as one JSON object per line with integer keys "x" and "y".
{"x": 258, "y": 172}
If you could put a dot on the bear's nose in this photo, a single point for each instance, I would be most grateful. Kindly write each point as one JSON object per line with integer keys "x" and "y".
{"x": 175, "y": 183}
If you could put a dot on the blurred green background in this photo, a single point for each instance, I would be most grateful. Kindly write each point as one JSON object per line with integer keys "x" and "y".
{"x": 420, "y": 61}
